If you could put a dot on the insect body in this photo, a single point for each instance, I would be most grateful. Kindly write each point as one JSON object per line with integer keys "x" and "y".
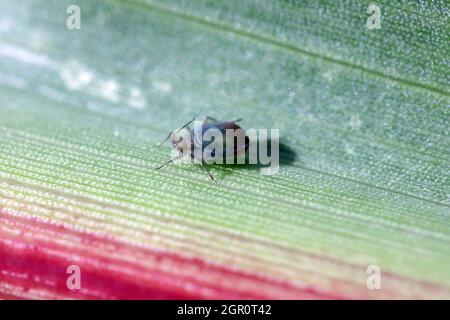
{"x": 190, "y": 143}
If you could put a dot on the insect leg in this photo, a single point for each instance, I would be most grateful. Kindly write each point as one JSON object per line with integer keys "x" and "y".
{"x": 208, "y": 118}
{"x": 207, "y": 171}
{"x": 168, "y": 162}
{"x": 172, "y": 132}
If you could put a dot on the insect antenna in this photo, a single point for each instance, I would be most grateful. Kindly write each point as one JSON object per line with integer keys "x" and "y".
{"x": 167, "y": 138}
{"x": 172, "y": 132}
{"x": 215, "y": 120}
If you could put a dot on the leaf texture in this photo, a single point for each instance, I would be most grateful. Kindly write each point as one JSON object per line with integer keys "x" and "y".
{"x": 363, "y": 117}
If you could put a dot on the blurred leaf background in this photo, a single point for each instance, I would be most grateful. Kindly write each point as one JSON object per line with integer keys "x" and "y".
{"x": 363, "y": 115}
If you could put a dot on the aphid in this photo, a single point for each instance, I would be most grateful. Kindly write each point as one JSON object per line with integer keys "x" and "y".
{"x": 185, "y": 140}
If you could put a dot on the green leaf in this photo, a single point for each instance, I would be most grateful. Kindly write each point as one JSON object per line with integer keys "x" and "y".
{"x": 363, "y": 115}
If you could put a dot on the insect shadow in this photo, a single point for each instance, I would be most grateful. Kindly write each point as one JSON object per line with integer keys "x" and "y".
{"x": 287, "y": 156}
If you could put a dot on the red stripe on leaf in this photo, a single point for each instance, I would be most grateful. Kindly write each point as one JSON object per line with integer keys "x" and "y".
{"x": 34, "y": 255}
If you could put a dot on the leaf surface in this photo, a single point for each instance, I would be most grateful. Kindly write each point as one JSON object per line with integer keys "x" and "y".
{"x": 363, "y": 115}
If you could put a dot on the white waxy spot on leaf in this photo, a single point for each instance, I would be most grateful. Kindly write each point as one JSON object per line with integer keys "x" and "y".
{"x": 109, "y": 89}
{"x": 349, "y": 149}
{"x": 75, "y": 75}
{"x": 330, "y": 75}
{"x": 249, "y": 55}
{"x": 355, "y": 122}
{"x": 136, "y": 99}
{"x": 162, "y": 86}
{"x": 25, "y": 56}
